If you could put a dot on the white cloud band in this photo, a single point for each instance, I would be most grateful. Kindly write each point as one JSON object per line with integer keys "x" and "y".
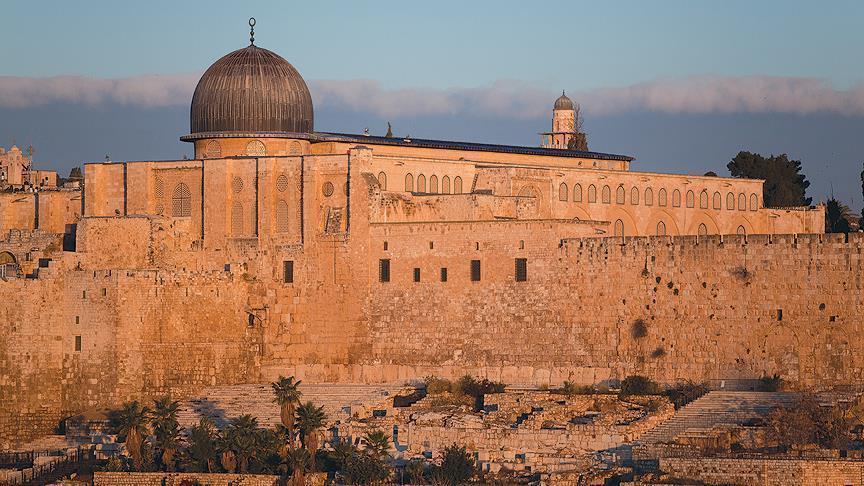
{"x": 696, "y": 95}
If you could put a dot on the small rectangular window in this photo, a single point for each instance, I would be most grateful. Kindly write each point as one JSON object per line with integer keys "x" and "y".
{"x": 77, "y": 319}
{"x": 385, "y": 246}
{"x": 250, "y": 319}
{"x": 77, "y": 343}
{"x": 288, "y": 271}
{"x": 384, "y": 270}
{"x": 443, "y": 274}
{"x": 475, "y": 270}
{"x": 779, "y": 314}
{"x": 521, "y": 269}
{"x": 416, "y": 274}
{"x": 104, "y": 292}
{"x": 83, "y": 294}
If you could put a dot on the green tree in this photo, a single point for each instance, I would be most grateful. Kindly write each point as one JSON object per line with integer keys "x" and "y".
{"x": 363, "y": 468}
{"x": 457, "y": 466}
{"x": 309, "y": 420}
{"x": 200, "y": 454}
{"x": 240, "y": 443}
{"x": 299, "y": 461}
{"x": 377, "y": 443}
{"x": 838, "y": 217}
{"x": 166, "y": 431}
{"x": 131, "y": 424}
{"x": 785, "y": 185}
{"x": 288, "y": 397}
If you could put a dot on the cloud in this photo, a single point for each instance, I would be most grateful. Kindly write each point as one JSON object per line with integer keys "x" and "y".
{"x": 512, "y": 99}
{"x": 151, "y": 91}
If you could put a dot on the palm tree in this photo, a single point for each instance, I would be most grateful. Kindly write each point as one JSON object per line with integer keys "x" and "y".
{"x": 309, "y": 419}
{"x": 241, "y": 440}
{"x": 377, "y": 443}
{"x": 166, "y": 429}
{"x": 837, "y": 217}
{"x": 299, "y": 461}
{"x": 287, "y": 396}
{"x": 201, "y": 452}
{"x": 132, "y": 421}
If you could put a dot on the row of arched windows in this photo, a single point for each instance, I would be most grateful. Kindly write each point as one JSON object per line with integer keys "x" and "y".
{"x": 618, "y": 229}
{"x": 421, "y": 184}
{"x": 662, "y": 197}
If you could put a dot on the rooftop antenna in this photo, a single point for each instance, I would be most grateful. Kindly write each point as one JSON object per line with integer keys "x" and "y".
{"x": 251, "y": 31}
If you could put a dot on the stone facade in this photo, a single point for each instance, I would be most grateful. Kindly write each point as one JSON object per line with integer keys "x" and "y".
{"x": 176, "y": 479}
{"x": 767, "y": 472}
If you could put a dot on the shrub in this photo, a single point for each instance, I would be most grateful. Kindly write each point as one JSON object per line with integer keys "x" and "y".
{"x": 638, "y": 385}
{"x": 457, "y": 467}
{"x": 658, "y": 352}
{"x": 472, "y": 387}
{"x": 569, "y": 388}
{"x": 435, "y": 385}
{"x": 685, "y": 392}
{"x": 639, "y": 329}
{"x": 365, "y": 469}
{"x": 414, "y": 471}
{"x": 741, "y": 273}
{"x": 770, "y": 383}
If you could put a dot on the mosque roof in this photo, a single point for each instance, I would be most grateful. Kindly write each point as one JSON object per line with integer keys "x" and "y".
{"x": 469, "y": 146}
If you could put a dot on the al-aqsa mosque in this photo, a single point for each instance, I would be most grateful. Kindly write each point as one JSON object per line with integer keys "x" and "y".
{"x": 281, "y": 249}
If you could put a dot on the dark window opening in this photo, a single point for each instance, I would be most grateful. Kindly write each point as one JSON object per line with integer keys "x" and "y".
{"x": 288, "y": 271}
{"x": 476, "y": 245}
{"x": 384, "y": 270}
{"x": 475, "y": 270}
{"x": 104, "y": 292}
{"x": 521, "y": 269}
{"x": 77, "y": 343}
{"x": 779, "y": 314}
{"x": 77, "y": 319}
{"x": 385, "y": 246}
{"x": 416, "y": 274}
{"x": 251, "y": 320}
{"x": 443, "y": 274}
{"x": 83, "y": 294}
{"x": 431, "y": 245}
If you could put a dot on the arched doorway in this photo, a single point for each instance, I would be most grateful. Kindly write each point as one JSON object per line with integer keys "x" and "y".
{"x": 8, "y": 265}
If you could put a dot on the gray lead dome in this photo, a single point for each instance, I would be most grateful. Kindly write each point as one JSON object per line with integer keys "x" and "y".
{"x": 251, "y": 90}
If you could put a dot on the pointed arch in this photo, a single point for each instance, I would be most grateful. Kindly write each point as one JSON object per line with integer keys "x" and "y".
{"x": 382, "y": 180}
{"x": 661, "y": 197}
{"x": 237, "y": 226}
{"x": 607, "y": 195}
{"x": 742, "y": 202}
{"x": 421, "y": 183}
{"x": 445, "y": 185}
{"x": 691, "y": 199}
{"x": 703, "y": 199}
{"x": 181, "y": 201}
{"x": 634, "y": 196}
{"x": 661, "y": 228}
{"x": 577, "y": 193}
{"x": 649, "y": 196}
{"x": 409, "y": 182}
{"x": 592, "y": 194}
{"x": 562, "y": 192}
{"x": 730, "y": 201}
{"x": 754, "y": 202}
{"x": 282, "y": 217}
{"x": 457, "y": 185}
{"x": 433, "y": 184}
{"x": 618, "y": 228}
{"x": 718, "y": 201}
{"x": 620, "y": 195}
{"x": 676, "y": 198}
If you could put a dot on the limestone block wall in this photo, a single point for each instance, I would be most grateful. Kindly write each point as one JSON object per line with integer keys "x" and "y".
{"x": 712, "y": 308}
{"x": 175, "y": 479}
{"x": 768, "y": 472}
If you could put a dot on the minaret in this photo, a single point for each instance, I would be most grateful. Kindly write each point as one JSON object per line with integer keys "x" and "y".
{"x": 563, "y": 124}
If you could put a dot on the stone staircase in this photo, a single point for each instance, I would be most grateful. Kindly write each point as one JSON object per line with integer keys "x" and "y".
{"x": 716, "y": 408}
{"x": 340, "y": 401}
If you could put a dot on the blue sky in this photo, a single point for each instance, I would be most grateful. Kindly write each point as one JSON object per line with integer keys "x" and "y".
{"x": 681, "y": 85}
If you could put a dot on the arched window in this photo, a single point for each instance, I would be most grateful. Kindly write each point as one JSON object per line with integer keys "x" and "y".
{"x": 282, "y": 224}
{"x": 661, "y": 228}
{"x": 703, "y": 199}
{"x": 754, "y": 202}
{"x": 741, "y": 230}
{"x": 607, "y": 195}
{"x": 256, "y": 148}
{"x": 619, "y": 227}
{"x": 592, "y": 194}
{"x": 382, "y": 181}
{"x": 421, "y": 183}
{"x": 620, "y": 195}
{"x": 742, "y": 202}
{"x": 433, "y": 184}
{"x": 691, "y": 199}
{"x": 634, "y": 196}
{"x": 649, "y": 196}
{"x": 577, "y": 193}
{"x": 718, "y": 201}
{"x": 237, "y": 219}
{"x": 8, "y": 265}
{"x": 295, "y": 148}
{"x": 409, "y": 183}
{"x": 457, "y": 185}
{"x": 181, "y": 201}
{"x": 445, "y": 185}
{"x": 562, "y": 192}
{"x": 730, "y": 201}
{"x": 703, "y": 230}
{"x": 213, "y": 150}
{"x": 676, "y": 198}
{"x": 661, "y": 197}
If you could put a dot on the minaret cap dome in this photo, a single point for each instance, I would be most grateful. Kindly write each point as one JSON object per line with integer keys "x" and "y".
{"x": 563, "y": 102}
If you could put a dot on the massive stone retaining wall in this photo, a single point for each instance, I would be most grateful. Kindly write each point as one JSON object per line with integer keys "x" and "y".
{"x": 765, "y": 472}
{"x": 590, "y": 310}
